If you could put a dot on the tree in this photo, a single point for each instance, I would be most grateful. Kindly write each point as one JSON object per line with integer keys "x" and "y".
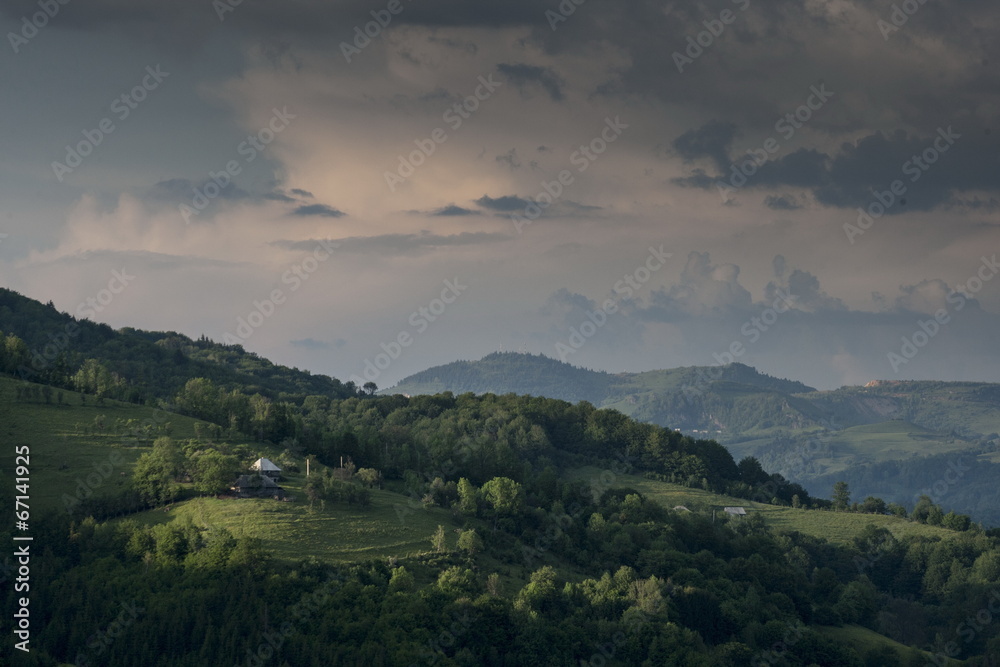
{"x": 896, "y": 509}
{"x": 214, "y": 472}
{"x": 841, "y": 496}
{"x": 458, "y": 581}
{"x": 401, "y": 580}
{"x": 467, "y": 502}
{"x": 873, "y": 505}
{"x": 505, "y": 495}
{"x": 954, "y": 521}
{"x": 922, "y": 509}
{"x": 752, "y": 472}
{"x": 438, "y": 541}
{"x": 370, "y": 477}
{"x": 540, "y": 593}
{"x": 470, "y": 542}
{"x": 370, "y": 387}
{"x": 155, "y": 471}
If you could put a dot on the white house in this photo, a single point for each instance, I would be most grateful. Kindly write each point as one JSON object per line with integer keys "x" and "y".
{"x": 266, "y": 467}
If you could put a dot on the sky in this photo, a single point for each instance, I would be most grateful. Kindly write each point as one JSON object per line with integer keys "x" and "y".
{"x": 368, "y": 189}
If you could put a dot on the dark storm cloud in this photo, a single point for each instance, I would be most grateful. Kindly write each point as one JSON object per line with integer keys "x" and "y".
{"x": 712, "y": 140}
{"x": 525, "y": 77}
{"x": 932, "y": 168}
{"x": 451, "y": 210}
{"x": 782, "y": 203}
{"x": 321, "y": 210}
{"x": 503, "y": 204}
{"x": 302, "y": 18}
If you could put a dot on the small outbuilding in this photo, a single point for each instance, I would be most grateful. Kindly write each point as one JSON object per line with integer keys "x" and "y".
{"x": 257, "y": 486}
{"x": 735, "y": 511}
{"x": 266, "y": 467}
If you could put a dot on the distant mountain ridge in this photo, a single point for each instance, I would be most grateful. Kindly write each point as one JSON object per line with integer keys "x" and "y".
{"x": 887, "y": 438}
{"x": 539, "y": 375}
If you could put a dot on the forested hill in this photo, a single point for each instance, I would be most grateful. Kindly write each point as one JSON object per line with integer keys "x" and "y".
{"x": 136, "y": 365}
{"x": 538, "y": 375}
{"x": 512, "y": 373}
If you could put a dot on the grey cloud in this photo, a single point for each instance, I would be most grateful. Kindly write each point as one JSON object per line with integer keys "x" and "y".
{"x": 852, "y": 177}
{"x": 524, "y": 76}
{"x": 321, "y": 210}
{"x": 503, "y": 204}
{"x": 712, "y": 140}
{"x": 399, "y": 244}
{"x": 704, "y": 288}
{"x": 510, "y": 159}
{"x": 782, "y": 203}
{"x": 310, "y": 344}
{"x": 453, "y": 210}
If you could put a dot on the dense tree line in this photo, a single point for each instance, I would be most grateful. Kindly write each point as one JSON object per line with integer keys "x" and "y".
{"x": 41, "y": 344}
{"x": 658, "y": 588}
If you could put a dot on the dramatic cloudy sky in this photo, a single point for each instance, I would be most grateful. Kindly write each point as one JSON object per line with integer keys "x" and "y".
{"x": 336, "y": 119}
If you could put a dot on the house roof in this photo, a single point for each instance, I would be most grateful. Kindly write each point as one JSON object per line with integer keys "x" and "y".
{"x": 265, "y": 465}
{"x": 255, "y": 481}
{"x": 735, "y": 510}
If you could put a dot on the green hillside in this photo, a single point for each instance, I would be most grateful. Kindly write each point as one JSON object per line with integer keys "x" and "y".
{"x": 142, "y": 365}
{"x": 71, "y": 452}
{"x": 434, "y": 529}
{"x": 837, "y": 527}
{"x": 811, "y": 437}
